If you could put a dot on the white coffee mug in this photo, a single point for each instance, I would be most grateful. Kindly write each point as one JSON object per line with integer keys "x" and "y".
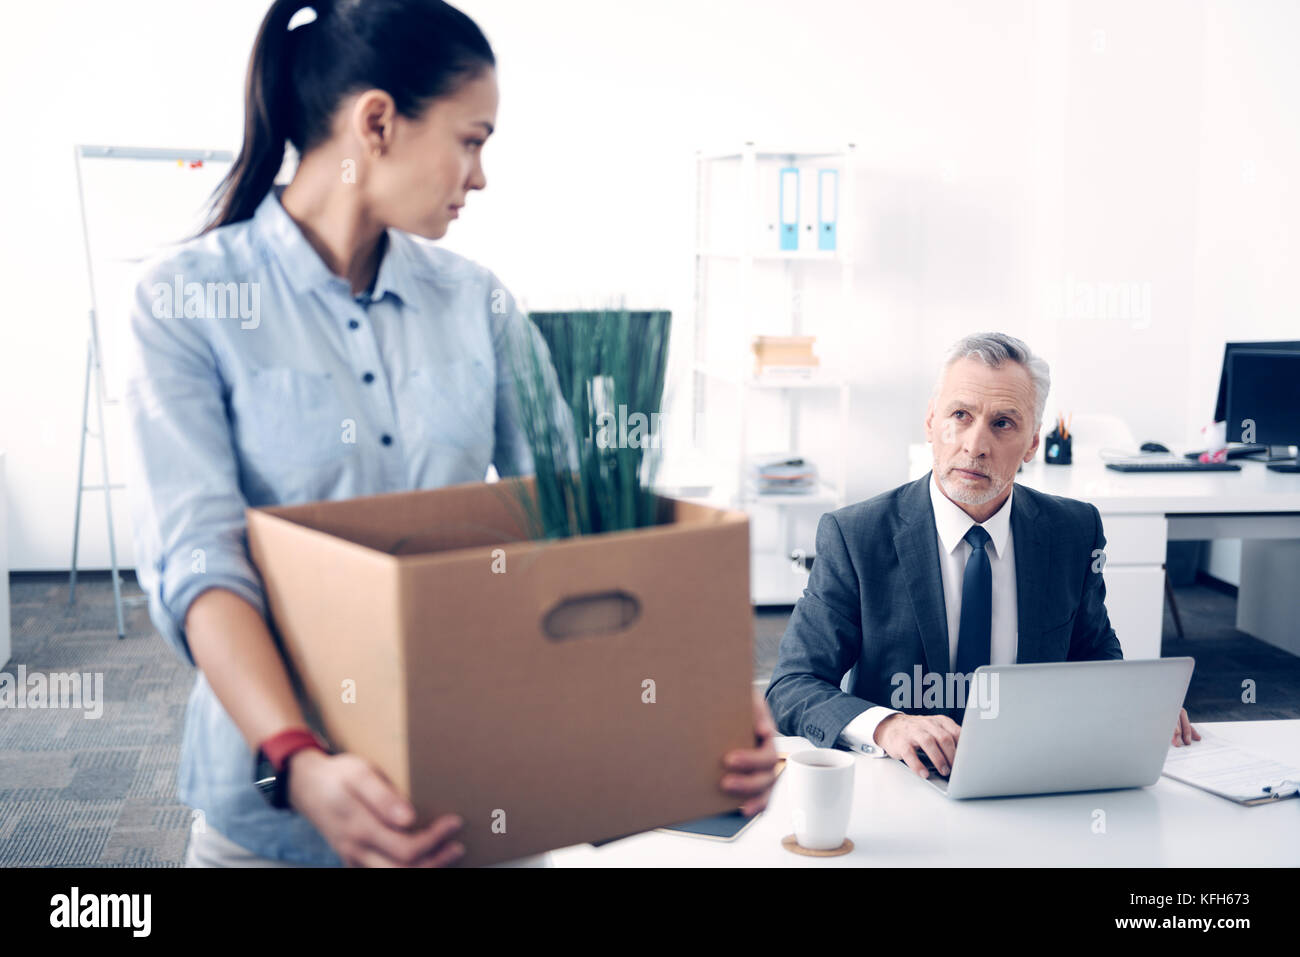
{"x": 821, "y": 796}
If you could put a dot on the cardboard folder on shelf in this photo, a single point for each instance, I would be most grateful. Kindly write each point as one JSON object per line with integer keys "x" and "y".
{"x": 784, "y": 352}
{"x": 549, "y": 693}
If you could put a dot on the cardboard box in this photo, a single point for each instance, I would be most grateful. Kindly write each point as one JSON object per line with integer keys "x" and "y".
{"x": 550, "y": 693}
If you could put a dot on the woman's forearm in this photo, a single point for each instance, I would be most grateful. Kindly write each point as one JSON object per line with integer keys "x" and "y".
{"x": 235, "y": 651}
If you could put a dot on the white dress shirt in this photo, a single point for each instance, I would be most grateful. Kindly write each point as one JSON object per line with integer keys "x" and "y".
{"x": 952, "y": 524}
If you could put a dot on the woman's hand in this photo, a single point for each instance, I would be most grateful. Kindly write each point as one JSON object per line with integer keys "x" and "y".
{"x": 363, "y": 818}
{"x": 752, "y": 771}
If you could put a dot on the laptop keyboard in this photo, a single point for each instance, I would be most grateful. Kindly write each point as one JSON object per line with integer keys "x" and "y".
{"x": 929, "y": 766}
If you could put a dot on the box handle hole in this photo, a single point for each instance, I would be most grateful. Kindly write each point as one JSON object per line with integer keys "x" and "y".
{"x": 599, "y": 613}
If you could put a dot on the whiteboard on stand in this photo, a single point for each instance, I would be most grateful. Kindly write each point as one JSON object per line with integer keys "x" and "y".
{"x": 136, "y": 204}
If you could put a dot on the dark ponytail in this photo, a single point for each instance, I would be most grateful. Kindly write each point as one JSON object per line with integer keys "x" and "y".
{"x": 415, "y": 50}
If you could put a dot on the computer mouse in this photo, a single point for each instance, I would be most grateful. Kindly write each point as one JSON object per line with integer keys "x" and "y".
{"x": 1153, "y": 447}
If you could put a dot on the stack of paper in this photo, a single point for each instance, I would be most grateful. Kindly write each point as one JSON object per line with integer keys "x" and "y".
{"x": 783, "y": 475}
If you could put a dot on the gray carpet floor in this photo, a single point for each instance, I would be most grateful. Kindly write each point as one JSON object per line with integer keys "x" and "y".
{"x": 84, "y": 791}
{"x": 78, "y": 791}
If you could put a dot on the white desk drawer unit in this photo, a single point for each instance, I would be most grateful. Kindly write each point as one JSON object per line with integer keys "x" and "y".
{"x": 1135, "y": 580}
{"x": 1135, "y": 604}
{"x": 1134, "y": 539}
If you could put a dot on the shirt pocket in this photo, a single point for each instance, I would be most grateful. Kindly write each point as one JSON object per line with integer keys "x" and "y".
{"x": 290, "y": 417}
{"x": 450, "y": 403}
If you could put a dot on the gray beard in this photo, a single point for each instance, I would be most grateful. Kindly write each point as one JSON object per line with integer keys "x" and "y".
{"x": 968, "y": 496}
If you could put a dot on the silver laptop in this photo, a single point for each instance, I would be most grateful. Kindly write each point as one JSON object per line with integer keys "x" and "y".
{"x": 1065, "y": 726}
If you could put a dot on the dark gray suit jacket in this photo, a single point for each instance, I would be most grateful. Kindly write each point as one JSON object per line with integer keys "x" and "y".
{"x": 874, "y": 603}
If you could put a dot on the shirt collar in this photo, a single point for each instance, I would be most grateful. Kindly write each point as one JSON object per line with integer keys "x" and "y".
{"x": 307, "y": 271}
{"x": 952, "y": 523}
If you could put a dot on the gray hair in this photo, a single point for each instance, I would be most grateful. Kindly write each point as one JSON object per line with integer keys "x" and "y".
{"x": 995, "y": 348}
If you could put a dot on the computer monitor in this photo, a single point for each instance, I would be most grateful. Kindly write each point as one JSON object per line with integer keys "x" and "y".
{"x": 1263, "y": 401}
{"x": 1221, "y": 405}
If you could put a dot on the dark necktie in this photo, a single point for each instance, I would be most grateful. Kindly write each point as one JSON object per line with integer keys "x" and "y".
{"x": 976, "y": 605}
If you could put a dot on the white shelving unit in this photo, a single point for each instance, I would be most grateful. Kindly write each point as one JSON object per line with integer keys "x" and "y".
{"x": 746, "y": 286}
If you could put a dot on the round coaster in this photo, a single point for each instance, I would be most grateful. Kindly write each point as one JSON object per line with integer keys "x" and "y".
{"x": 790, "y": 844}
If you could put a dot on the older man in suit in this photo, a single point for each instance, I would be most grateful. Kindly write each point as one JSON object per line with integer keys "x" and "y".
{"x": 955, "y": 570}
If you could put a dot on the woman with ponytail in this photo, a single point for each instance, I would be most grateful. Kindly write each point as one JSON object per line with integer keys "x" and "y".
{"x": 358, "y": 362}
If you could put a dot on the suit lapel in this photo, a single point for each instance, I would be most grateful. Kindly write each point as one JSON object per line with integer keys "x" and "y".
{"x": 1031, "y": 558}
{"x": 917, "y": 546}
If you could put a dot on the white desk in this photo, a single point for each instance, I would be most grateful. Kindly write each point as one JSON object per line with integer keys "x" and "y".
{"x": 901, "y": 821}
{"x": 1142, "y": 512}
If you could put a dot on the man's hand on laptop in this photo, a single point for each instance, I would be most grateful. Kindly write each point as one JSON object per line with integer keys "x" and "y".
{"x": 1184, "y": 733}
{"x": 902, "y": 735}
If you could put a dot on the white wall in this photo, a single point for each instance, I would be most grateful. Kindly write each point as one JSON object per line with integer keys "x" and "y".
{"x": 139, "y": 73}
{"x": 1006, "y": 148}
{"x": 1247, "y": 242}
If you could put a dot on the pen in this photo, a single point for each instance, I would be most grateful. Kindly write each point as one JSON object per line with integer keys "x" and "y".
{"x": 1281, "y": 789}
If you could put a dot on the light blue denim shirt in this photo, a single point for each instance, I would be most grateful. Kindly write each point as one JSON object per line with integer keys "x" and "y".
{"x": 257, "y": 378}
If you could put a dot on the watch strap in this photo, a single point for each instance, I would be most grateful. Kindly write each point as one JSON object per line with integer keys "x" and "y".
{"x": 285, "y": 744}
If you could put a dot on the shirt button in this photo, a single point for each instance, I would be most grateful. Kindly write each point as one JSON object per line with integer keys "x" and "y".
{"x": 386, "y": 439}
{"x": 368, "y": 378}
{"x": 353, "y": 324}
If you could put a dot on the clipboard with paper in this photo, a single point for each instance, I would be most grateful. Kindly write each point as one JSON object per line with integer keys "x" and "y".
{"x": 1215, "y": 765}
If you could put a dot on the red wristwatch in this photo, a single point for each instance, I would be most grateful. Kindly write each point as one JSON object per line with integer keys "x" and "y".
{"x": 271, "y": 771}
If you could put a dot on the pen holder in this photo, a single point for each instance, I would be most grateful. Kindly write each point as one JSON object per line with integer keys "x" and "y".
{"x": 1056, "y": 450}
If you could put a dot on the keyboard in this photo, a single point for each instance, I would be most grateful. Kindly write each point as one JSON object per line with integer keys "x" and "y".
{"x": 1173, "y": 465}
{"x": 940, "y": 781}
{"x": 929, "y": 765}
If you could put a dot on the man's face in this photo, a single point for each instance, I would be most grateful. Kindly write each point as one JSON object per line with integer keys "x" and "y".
{"x": 981, "y": 425}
